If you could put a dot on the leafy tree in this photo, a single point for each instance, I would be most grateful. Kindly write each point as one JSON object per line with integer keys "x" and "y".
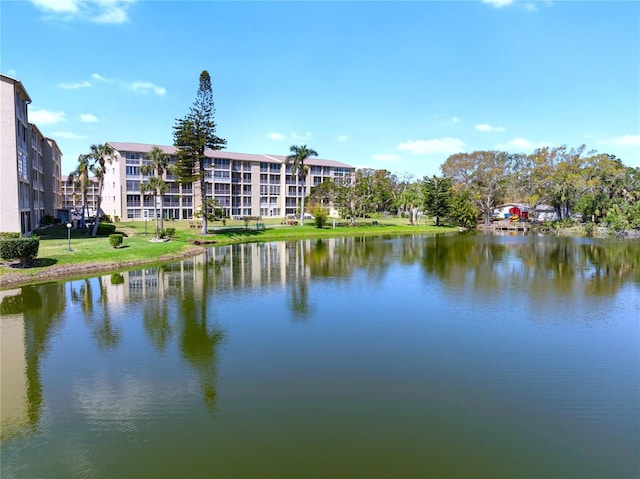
{"x": 158, "y": 163}
{"x": 436, "y": 193}
{"x": 299, "y": 154}
{"x": 155, "y": 186}
{"x": 192, "y": 136}
{"x": 409, "y": 200}
{"x": 99, "y": 156}
{"x": 484, "y": 173}
{"x": 462, "y": 211}
{"x": 559, "y": 177}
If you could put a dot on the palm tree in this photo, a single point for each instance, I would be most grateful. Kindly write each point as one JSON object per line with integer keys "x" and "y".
{"x": 156, "y": 187}
{"x": 99, "y": 156}
{"x": 80, "y": 178}
{"x": 158, "y": 163}
{"x": 296, "y": 159}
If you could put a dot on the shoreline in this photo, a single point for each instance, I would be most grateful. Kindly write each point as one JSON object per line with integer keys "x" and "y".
{"x": 11, "y": 280}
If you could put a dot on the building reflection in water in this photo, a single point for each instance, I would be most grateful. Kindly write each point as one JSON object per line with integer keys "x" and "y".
{"x": 178, "y": 300}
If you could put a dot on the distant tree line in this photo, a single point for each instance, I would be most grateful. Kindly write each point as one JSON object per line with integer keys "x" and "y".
{"x": 571, "y": 180}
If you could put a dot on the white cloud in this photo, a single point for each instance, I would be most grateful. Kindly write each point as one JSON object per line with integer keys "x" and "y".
{"x": 435, "y": 145}
{"x": 67, "y": 135}
{"x": 88, "y": 118}
{"x": 45, "y": 117}
{"x": 626, "y": 140}
{"x": 74, "y": 86}
{"x": 145, "y": 87}
{"x": 296, "y": 136}
{"x": 498, "y": 3}
{"x": 344, "y": 138}
{"x": 276, "y": 136}
{"x": 95, "y": 11}
{"x": 385, "y": 157}
{"x": 455, "y": 120}
{"x": 57, "y": 6}
{"x": 98, "y": 77}
{"x": 487, "y": 128}
{"x": 522, "y": 144}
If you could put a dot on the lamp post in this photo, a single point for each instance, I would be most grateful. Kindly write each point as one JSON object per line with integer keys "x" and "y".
{"x": 69, "y": 234}
{"x": 146, "y": 219}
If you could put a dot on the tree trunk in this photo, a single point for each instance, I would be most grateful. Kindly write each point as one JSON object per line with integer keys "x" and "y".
{"x": 203, "y": 192}
{"x": 302, "y": 207}
{"x": 155, "y": 212}
{"x": 161, "y": 211}
{"x": 96, "y": 220}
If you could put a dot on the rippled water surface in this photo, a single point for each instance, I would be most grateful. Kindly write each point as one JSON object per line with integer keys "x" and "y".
{"x": 424, "y": 357}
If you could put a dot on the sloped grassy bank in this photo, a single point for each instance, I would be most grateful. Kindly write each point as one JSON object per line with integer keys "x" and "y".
{"x": 60, "y": 258}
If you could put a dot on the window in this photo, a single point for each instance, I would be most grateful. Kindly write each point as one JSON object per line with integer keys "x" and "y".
{"x": 222, "y": 163}
{"x": 133, "y": 171}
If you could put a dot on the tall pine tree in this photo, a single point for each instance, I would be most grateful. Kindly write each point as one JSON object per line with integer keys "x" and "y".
{"x": 192, "y": 136}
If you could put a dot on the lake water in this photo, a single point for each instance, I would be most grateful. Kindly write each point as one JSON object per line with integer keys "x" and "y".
{"x": 404, "y": 357}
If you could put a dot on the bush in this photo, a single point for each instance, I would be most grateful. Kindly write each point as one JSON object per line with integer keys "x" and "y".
{"x": 169, "y": 232}
{"x": 8, "y": 235}
{"x": 24, "y": 249}
{"x": 106, "y": 229}
{"x": 115, "y": 240}
{"x": 46, "y": 220}
{"x": 117, "y": 278}
{"x": 320, "y": 216}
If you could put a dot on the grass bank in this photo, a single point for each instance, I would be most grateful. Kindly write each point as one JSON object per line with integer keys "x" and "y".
{"x": 59, "y": 258}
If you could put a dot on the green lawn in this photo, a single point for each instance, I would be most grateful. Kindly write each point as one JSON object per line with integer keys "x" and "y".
{"x": 90, "y": 255}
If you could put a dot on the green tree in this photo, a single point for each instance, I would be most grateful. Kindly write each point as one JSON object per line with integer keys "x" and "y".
{"x": 193, "y": 135}
{"x": 484, "y": 173}
{"x": 99, "y": 156}
{"x": 299, "y": 154}
{"x": 158, "y": 163}
{"x": 156, "y": 187}
{"x": 436, "y": 192}
{"x": 560, "y": 177}
{"x": 462, "y": 211}
{"x": 408, "y": 201}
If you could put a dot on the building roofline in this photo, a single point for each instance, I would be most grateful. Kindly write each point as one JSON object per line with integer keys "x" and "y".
{"x": 18, "y": 84}
{"x": 172, "y": 150}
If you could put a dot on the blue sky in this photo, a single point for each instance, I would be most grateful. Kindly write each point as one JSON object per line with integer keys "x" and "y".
{"x": 395, "y": 85}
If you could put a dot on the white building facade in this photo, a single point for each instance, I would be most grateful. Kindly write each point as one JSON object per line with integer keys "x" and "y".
{"x": 242, "y": 184}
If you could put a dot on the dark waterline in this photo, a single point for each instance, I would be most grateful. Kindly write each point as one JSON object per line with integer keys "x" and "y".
{"x": 402, "y": 357}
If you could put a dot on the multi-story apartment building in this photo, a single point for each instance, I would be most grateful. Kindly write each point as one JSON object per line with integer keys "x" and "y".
{"x": 242, "y": 184}
{"x": 30, "y": 164}
{"x": 72, "y": 196}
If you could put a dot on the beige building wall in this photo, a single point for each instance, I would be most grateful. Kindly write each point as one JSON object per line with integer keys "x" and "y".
{"x": 15, "y": 204}
{"x": 29, "y": 162}
{"x": 52, "y": 177}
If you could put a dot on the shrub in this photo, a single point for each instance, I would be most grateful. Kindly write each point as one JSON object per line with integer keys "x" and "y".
{"x": 8, "y": 235}
{"x": 24, "y": 249}
{"x": 590, "y": 229}
{"x": 117, "y": 278}
{"x": 106, "y": 229}
{"x": 115, "y": 240}
{"x": 320, "y": 216}
{"x": 170, "y": 232}
{"x": 46, "y": 220}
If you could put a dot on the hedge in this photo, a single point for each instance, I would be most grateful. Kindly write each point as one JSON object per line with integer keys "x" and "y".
{"x": 106, "y": 229}
{"x": 24, "y": 249}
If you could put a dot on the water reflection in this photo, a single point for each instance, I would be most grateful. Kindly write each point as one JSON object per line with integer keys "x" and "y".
{"x": 30, "y": 316}
{"x": 177, "y": 302}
